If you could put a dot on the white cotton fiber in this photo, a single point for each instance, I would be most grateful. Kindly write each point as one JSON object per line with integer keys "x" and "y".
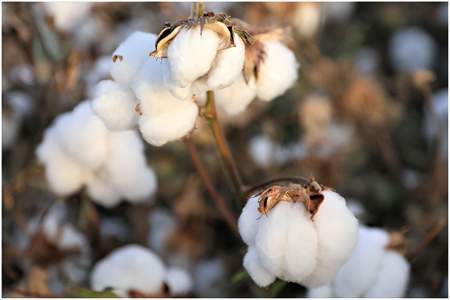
{"x": 262, "y": 150}
{"x": 358, "y": 273}
{"x": 235, "y": 98}
{"x": 191, "y": 54}
{"x": 179, "y": 281}
{"x": 337, "y": 231}
{"x": 83, "y": 136}
{"x": 248, "y": 221}
{"x": 64, "y": 175}
{"x": 278, "y": 72}
{"x": 307, "y": 19}
{"x": 411, "y": 49}
{"x": 102, "y": 192}
{"x": 129, "y": 267}
{"x": 256, "y": 271}
{"x": 115, "y": 105}
{"x": 68, "y": 15}
{"x": 227, "y": 65}
{"x": 392, "y": 278}
{"x": 131, "y": 55}
{"x": 126, "y": 168}
{"x": 320, "y": 292}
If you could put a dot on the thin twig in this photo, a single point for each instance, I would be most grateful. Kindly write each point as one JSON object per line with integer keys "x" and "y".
{"x": 218, "y": 199}
{"x": 259, "y": 187}
{"x": 222, "y": 146}
{"x": 431, "y": 235}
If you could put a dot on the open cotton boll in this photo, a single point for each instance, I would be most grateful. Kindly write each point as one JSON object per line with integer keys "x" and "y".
{"x": 131, "y": 55}
{"x": 392, "y": 278}
{"x": 190, "y": 46}
{"x": 357, "y": 275}
{"x": 337, "y": 232}
{"x": 179, "y": 281}
{"x": 235, "y": 98}
{"x": 412, "y": 42}
{"x": 279, "y": 59}
{"x": 65, "y": 176}
{"x": 257, "y": 272}
{"x": 102, "y": 192}
{"x": 68, "y": 15}
{"x": 129, "y": 267}
{"x": 248, "y": 221}
{"x": 307, "y": 19}
{"x": 262, "y": 150}
{"x": 126, "y": 167}
{"x": 115, "y": 105}
{"x": 227, "y": 65}
{"x": 83, "y": 136}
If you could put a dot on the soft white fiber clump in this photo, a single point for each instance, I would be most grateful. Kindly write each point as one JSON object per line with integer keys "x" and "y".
{"x": 115, "y": 105}
{"x": 79, "y": 150}
{"x": 131, "y": 55}
{"x": 411, "y": 43}
{"x": 68, "y": 15}
{"x": 288, "y": 244}
{"x": 163, "y": 117}
{"x": 135, "y": 267}
{"x": 235, "y": 98}
{"x": 371, "y": 271}
{"x": 278, "y": 72}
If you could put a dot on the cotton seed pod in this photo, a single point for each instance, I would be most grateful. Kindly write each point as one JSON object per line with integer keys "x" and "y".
{"x": 130, "y": 56}
{"x": 163, "y": 117}
{"x": 115, "y": 105}
{"x": 178, "y": 281}
{"x": 371, "y": 271}
{"x": 322, "y": 236}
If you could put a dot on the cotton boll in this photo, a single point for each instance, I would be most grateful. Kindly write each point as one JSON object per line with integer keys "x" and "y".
{"x": 126, "y": 168}
{"x": 131, "y": 55}
{"x": 227, "y": 65}
{"x": 235, "y": 98}
{"x": 129, "y": 267}
{"x": 357, "y": 275}
{"x": 321, "y": 292}
{"x": 102, "y": 192}
{"x": 337, "y": 231}
{"x": 83, "y": 135}
{"x": 248, "y": 221}
{"x": 115, "y": 105}
{"x": 412, "y": 42}
{"x": 278, "y": 60}
{"x": 261, "y": 150}
{"x": 191, "y": 46}
{"x": 68, "y": 15}
{"x": 179, "y": 281}
{"x": 256, "y": 271}
{"x": 392, "y": 278}
{"x": 307, "y": 19}
{"x": 65, "y": 176}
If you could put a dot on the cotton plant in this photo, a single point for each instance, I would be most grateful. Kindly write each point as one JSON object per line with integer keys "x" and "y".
{"x": 78, "y": 150}
{"x": 375, "y": 269}
{"x": 136, "y": 270}
{"x": 298, "y": 233}
{"x": 162, "y": 94}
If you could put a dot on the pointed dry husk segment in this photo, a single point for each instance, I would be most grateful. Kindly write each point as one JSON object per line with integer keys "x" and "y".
{"x": 310, "y": 194}
{"x": 221, "y": 24}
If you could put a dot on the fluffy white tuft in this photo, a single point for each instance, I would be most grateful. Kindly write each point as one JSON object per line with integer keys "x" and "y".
{"x": 235, "y": 98}
{"x": 279, "y": 59}
{"x": 129, "y": 267}
{"x": 256, "y": 271}
{"x": 115, "y": 105}
{"x": 179, "y": 281}
{"x": 68, "y": 15}
{"x": 248, "y": 221}
{"x": 131, "y": 55}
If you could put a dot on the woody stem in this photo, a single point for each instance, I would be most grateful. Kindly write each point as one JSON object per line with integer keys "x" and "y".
{"x": 222, "y": 146}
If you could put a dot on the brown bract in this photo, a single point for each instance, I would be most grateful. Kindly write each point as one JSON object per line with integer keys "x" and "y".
{"x": 309, "y": 194}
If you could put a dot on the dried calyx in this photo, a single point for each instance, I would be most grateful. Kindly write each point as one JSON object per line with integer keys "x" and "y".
{"x": 310, "y": 194}
{"x": 221, "y": 23}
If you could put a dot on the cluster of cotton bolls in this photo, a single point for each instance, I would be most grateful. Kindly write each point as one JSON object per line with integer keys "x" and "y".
{"x": 161, "y": 96}
{"x": 289, "y": 243}
{"x": 372, "y": 270}
{"x": 134, "y": 268}
{"x": 78, "y": 149}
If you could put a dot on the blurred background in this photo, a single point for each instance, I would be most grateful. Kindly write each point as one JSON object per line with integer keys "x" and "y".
{"x": 368, "y": 116}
